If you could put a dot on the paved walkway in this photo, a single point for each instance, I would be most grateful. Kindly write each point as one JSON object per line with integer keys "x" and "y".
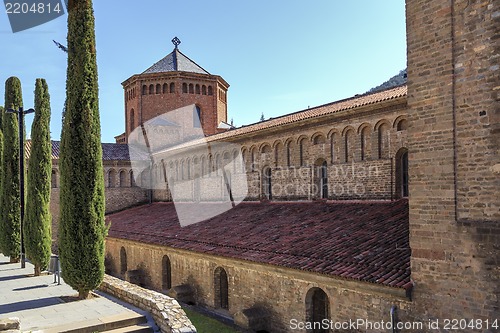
{"x": 37, "y": 302}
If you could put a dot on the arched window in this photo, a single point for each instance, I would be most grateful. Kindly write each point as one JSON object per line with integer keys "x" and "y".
{"x": 165, "y": 88}
{"x": 347, "y": 145}
{"x": 172, "y": 88}
{"x": 383, "y": 141}
{"x": 132, "y": 179}
{"x": 122, "y": 178}
{"x": 301, "y": 152}
{"x": 158, "y": 88}
{"x": 197, "y": 89}
{"x": 402, "y": 173}
{"x": 210, "y": 91}
{"x": 197, "y": 117}
{"x": 184, "y": 88}
{"x": 144, "y": 90}
{"x": 203, "y": 166}
{"x": 182, "y": 170}
{"x": 333, "y": 146}
{"x": 267, "y": 183}
{"x": 191, "y": 88}
{"x": 402, "y": 125}
{"x": 252, "y": 160}
{"x": 151, "y": 89}
{"x": 203, "y": 89}
{"x": 145, "y": 181}
{"x": 235, "y": 159}
{"x": 363, "y": 138}
{"x": 166, "y": 273}
{"x": 288, "y": 154}
{"x": 111, "y": 178}
{"x": 53, "y": 179}
{"x": 221, "y": 289}
{"x": 319, "y": 139}
{"x": 123, "y": 261}
{"x": 277, "y": 149}
{"x": 317, "y": 310}
{"x": 188, "y": 166}
{"x": 132, "y": 120}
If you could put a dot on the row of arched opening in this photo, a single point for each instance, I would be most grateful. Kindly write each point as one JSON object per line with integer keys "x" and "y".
{"x": 320, "y": 178}
{"x": 169, "y": 88}
{"x": 317, "y": 304}
{"x": 343, "y": 146}
{"x": 130, "y": 94}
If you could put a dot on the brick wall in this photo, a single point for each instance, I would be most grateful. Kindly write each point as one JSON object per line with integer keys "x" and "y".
{"x": 281, "y": 292}
{"x": 453, "y": 149}
{"x": 367, "y": 170}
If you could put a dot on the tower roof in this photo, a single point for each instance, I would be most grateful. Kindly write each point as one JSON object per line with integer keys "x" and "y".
{"x": 175, "y": 61}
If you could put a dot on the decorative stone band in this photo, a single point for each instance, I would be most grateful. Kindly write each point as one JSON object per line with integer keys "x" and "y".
{"x": 166, "y": 312}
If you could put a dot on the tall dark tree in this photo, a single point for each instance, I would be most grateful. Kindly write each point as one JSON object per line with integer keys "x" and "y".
{"x": 10, "y": 194}
{"x": 82, "y": 228}
{"x": 2, "y": 232}
{"x": 37, "y": 224}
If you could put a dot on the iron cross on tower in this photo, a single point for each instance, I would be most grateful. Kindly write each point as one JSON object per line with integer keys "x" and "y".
{"x": 176, "y": 41}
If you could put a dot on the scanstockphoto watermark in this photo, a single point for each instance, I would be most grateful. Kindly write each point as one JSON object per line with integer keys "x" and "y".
{"x": 27, "y": 14}
{"x": 357, "y": 324}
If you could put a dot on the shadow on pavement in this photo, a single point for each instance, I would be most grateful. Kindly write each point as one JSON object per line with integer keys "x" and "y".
{"x": 13, "y": 277}
{"x": 31, "y": 287}
{"x": 31, "y": 304}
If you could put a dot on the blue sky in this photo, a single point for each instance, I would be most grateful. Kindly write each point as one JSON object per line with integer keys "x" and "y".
{"x": 278, "y": 56}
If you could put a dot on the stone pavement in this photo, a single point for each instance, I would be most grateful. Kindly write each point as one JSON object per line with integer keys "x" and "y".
{"x": 37, "y": 302}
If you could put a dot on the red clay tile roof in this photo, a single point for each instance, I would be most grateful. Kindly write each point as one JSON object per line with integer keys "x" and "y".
{"x": 110, "y": 151}
{"x": 366, "y": 241}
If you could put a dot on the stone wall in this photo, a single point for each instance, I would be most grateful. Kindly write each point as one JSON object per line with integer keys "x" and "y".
{"x": 453, "y": 137}
{"x": 280, "y": 293}
{"x": 360, "y": 151}
{"x": 166, "y": 312}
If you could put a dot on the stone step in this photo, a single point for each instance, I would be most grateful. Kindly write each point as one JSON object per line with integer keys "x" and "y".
{"x": 102, "y": 324}
{"x": 141, "y": 328}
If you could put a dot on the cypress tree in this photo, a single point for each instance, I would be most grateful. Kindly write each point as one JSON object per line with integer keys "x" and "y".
{"x": 2, "y": 231}
{"x": 11, "y": 200}
{"x": 37, "y": 224}
{"x": 82, "y": 228}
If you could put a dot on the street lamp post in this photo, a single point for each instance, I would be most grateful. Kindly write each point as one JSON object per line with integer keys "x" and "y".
{"x": 20, "y": 116}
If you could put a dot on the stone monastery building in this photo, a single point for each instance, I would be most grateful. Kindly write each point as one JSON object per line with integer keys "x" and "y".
{"x": 387, "y": 200}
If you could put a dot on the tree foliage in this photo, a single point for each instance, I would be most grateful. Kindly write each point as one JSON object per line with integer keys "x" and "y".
{"x": 37, "y": 224}
{"x": 82, "y": 228}
{"x": 10, "y": 194}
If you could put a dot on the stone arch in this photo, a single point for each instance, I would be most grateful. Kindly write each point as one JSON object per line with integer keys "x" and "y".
{"x": 278, "y": 148}
{"x": 349, "y": 135}
{"x": 184, "y": 88}
{"x": 111, "y": 178}
{"x": 151, "y": 89}
{"x": 334, "y": 135}
{"x": 383, "y": 127}
{"x": 172, "y": 88}
{"x": 364, "y": 141}
{"x": 253, "y": 159}
{"x": 165, "y": 88}
{"x": 210, "y": 90}
{"x": 145, "y": 178}
{"x": 401, "y": 123}
{"x": 317, "y": 309}
{"x": 301, "y": 142}
{"x": 132, "y": 179}
{"x": 203, "y": 171}
{"x": 166, "y": 273}
{"x": 318, "y": 138}
{"x": 191, "y": 88}
{"x": 123, "y": 261}
{"x": 123, "y": 178}
{"x": 288, "y": 151}
{"x": 144, "y": 89}
{"x": 203, "y": 89}
{"x": 244, "y": 159}
{"x": 221, "y": 289}
{"x": 265, "y": 148}
{"x": 402, "y": 179}
{"x": 197, "y": 89}
{"x": 235, "y": 160}
{"x": 158, "y": 88}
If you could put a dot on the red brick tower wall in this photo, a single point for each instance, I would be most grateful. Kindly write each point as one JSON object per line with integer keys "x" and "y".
{"x": 208, "y": 92}
{"x": 453, "y": 136}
